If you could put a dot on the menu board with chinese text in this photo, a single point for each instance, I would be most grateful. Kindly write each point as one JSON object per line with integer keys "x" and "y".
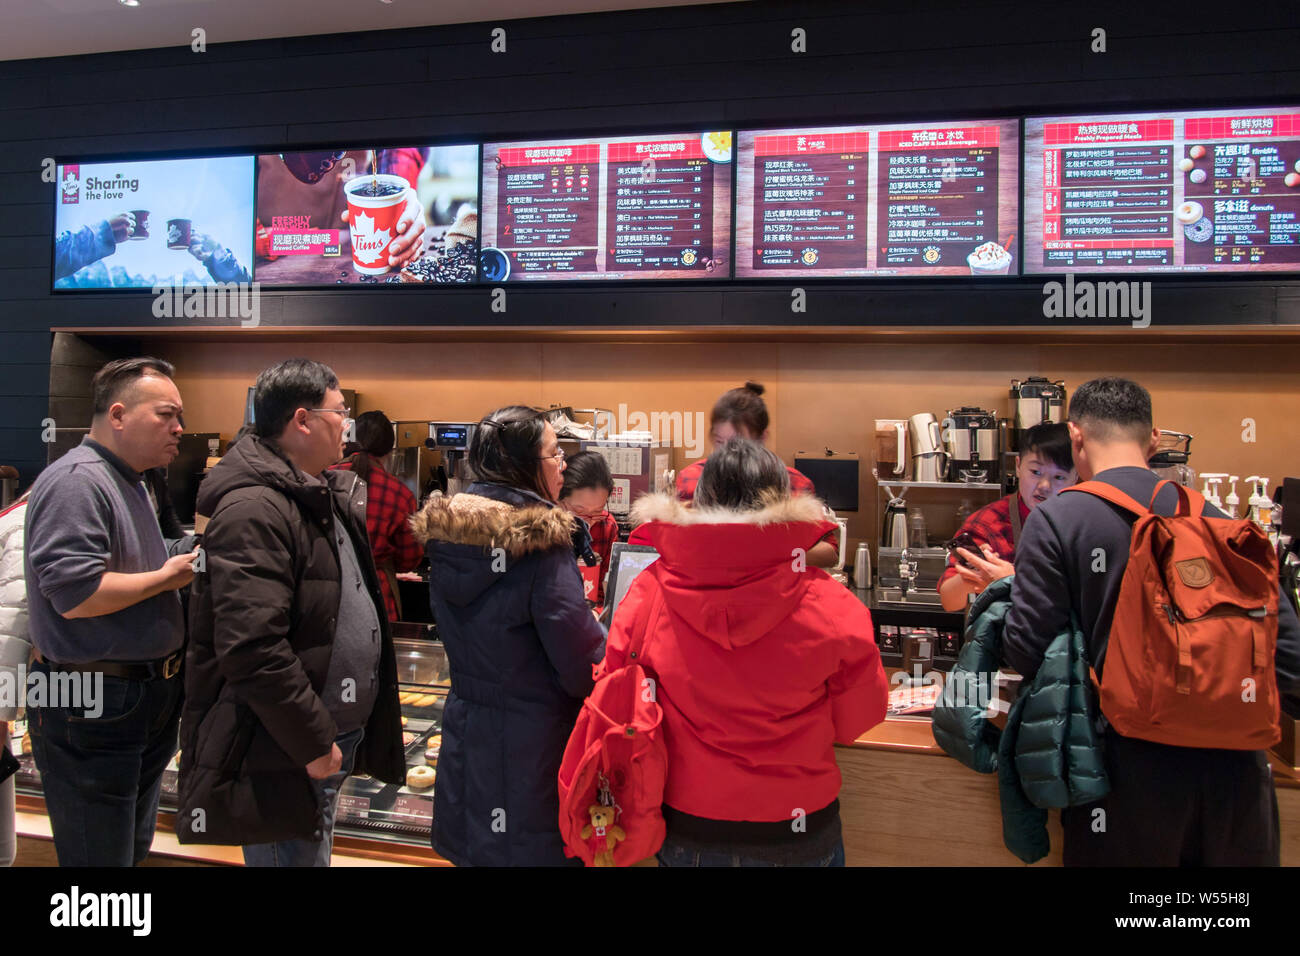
{"x": 1203, "y": 191}
{"x": 898, "y": 199}
{"x": 629, "y": 207}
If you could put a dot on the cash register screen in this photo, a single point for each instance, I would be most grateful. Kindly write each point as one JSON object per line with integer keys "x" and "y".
{"x": 834, "y": 479}
{"x": 626, "y": 561}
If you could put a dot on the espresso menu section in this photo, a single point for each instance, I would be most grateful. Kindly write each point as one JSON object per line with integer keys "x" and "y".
{"x": 651, "y": 207}
{"x": 1185, "y": 191}
{"x": 935, "y": 199}
{"x": 660, "y": 201}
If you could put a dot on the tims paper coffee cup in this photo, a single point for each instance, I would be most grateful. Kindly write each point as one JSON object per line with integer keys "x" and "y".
{"x": 372, "y": 219}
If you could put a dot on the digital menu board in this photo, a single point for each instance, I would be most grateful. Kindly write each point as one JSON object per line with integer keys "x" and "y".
{"x": 1203, "y": 191}
{"x": 366, "y": 216}
{"x": 623, "y": 207}
{"x": 173, "y": 222}
{"x": 926, "y": 199}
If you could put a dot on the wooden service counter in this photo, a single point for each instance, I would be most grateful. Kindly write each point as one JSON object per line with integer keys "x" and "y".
{"x": 904, "y": 802}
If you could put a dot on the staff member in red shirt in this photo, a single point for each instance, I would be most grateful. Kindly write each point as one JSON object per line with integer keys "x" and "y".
{"x": 389, "y": 506}
{"x": 742, "y": 413}
{"x": 1044, "y": 467}
{"x": 585, "y": 493}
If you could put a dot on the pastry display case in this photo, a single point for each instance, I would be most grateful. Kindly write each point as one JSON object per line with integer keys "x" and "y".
{"x": 368, "y": 809}
{"x": 375, "y": 810}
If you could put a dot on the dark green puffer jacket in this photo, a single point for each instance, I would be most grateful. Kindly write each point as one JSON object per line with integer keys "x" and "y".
{"x": 1050, "y": 753}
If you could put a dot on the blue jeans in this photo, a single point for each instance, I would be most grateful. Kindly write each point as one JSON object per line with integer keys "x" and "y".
{"x": 312, "y": 852}
{"x": 101, "y": 775}
{"x": 675, "y": 854}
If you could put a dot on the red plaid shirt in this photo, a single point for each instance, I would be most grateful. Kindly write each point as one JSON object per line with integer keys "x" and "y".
{"x": 604, "y": 532}
{"x": 990, "y": 525}
{"x": 389, "y": 504}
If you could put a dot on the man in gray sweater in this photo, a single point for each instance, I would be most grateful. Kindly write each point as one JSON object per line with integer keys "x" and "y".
{"x": 102, "y": 603}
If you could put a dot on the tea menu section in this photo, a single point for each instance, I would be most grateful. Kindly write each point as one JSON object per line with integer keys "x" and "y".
{"x": 1204, "y": 191}
{"x": 929, "y": 200}
{"x": 652, "y": 207}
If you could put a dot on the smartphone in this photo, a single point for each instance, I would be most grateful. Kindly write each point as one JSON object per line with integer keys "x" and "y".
{"x": 964, "y": 540}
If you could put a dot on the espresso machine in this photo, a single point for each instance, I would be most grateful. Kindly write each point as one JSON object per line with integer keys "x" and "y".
{"x": 452, "y": 440}
{"x": 972, "y": 444}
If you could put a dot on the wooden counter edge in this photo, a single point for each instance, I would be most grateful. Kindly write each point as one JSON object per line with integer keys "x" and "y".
{"x": 917, "y": 737}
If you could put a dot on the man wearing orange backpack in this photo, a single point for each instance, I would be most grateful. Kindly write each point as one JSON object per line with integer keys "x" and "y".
{"x": 1190, "y": 648}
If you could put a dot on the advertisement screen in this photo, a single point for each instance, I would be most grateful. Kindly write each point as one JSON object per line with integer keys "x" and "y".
{"x": 1203, "y": 191}
{"x": 173, "y": 222}
{"x": 624, "y": 207}
{"x": 912, "y": 199}
{"x": 367, "y": 216}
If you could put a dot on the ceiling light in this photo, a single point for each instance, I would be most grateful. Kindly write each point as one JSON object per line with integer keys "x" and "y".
{"x": 129, "y": 3}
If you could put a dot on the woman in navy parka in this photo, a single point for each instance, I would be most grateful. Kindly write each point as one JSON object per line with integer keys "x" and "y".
{"x": 508, "y": 601}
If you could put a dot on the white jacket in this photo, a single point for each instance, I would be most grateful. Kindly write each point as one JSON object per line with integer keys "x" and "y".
{"x": 14, "y": 646}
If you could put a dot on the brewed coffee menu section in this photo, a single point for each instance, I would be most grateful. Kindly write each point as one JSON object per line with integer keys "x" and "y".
{"x": 1208, "y": 191}
{"x": 933, "y": 199}
{"x": 621, "y": 207}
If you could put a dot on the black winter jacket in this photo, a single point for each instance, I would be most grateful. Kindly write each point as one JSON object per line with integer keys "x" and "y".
{"x": 262, "y": 619}
{"x": 520, "y": 641}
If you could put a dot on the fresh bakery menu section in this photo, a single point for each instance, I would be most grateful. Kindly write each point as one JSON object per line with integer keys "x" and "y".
{"x": 932, "y": 199}
{"x": 621, "y": 207}
{"x": 1213, "y": 191}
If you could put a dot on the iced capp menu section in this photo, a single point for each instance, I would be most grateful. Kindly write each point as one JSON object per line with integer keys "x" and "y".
{"x": 650, "y": 207}
{"x": 901, "y": 199}
{"x": 1211, "y": 191}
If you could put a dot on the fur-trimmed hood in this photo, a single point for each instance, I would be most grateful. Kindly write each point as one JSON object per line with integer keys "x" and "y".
{"x": 733, "y": 576}
{"x": 473, "y": 519}
{"x": 668, "y": 509}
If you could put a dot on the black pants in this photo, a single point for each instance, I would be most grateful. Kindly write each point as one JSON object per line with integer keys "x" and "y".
{"x": 1177, "y": 806}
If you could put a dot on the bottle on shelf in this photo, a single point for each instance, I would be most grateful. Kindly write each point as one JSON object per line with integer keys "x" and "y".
{"x": 916, "y": 529}
{"x": 862, "y": 566}
{"x": 1232, "y": 500}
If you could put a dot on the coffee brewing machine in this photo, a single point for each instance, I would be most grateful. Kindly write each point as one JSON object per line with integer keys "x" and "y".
{"x": 971, "y": 440}
{"x": 452, "y": 441}
{"x": 1035, "y": 400}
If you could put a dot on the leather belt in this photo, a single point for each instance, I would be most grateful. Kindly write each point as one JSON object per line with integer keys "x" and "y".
{"x": 164, "y": 668}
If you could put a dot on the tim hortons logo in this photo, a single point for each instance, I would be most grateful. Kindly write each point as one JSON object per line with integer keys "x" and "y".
{"x": 366, "y": 242}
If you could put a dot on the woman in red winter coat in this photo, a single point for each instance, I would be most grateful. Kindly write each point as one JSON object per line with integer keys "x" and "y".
{"x": 762, "y": 664}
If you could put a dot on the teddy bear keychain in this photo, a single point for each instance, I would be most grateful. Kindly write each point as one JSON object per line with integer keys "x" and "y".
{"x": 603, "y": 833}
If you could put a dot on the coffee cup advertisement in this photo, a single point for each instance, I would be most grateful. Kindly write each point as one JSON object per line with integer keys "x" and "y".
{"x": 114, "y": 223}
{"x": 366, "y": 216}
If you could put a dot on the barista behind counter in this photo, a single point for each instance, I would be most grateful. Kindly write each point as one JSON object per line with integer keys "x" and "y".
{"x": 1043, "y": 468}
{"x": 741, "y": 412}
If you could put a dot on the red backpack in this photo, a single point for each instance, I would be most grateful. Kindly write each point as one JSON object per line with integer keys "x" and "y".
{"x": 1190, "y": 656}
{"x": 615, "y": 766}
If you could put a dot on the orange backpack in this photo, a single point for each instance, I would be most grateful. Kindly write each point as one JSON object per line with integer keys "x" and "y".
{"x": 1190, "y": 656}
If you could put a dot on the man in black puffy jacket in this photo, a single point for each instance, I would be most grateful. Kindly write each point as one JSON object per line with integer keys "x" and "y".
{"x": 291, "y": 678}
{"x": 1168, "y": 806}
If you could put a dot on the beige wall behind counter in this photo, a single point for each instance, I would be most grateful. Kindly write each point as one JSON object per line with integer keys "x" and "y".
{"x": 819, "y": 393}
